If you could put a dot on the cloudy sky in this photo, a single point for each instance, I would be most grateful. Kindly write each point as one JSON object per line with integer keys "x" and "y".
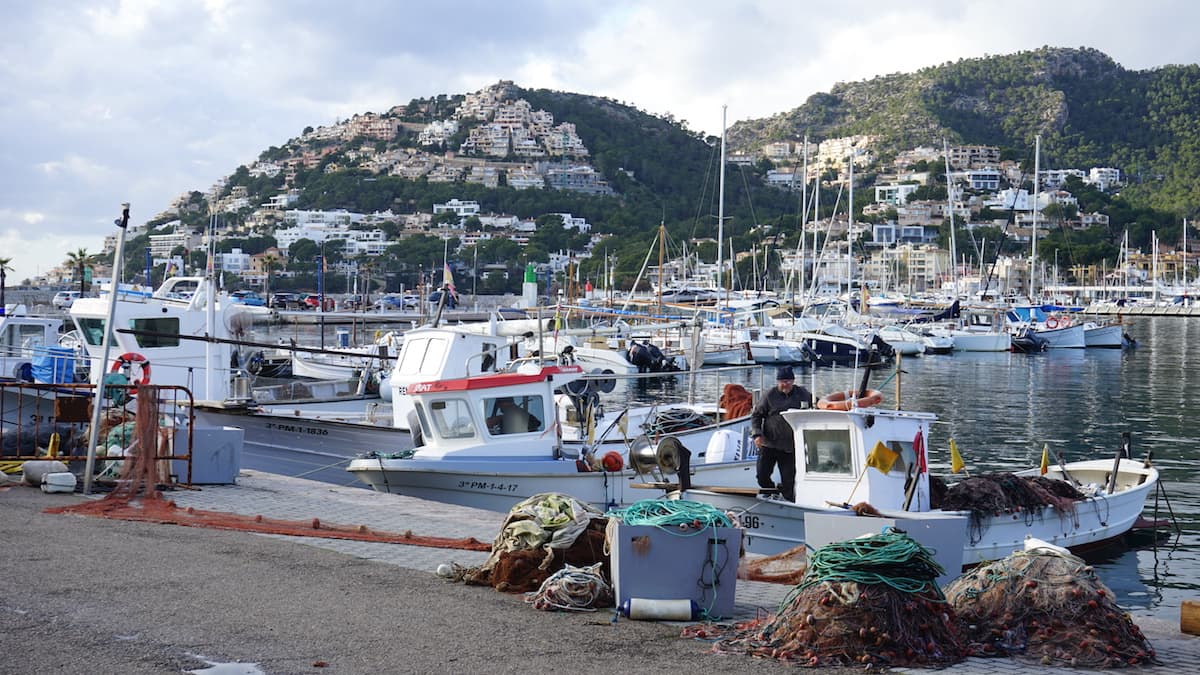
{"x": 108, "y": 101}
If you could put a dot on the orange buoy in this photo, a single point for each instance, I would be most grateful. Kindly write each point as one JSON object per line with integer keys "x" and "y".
{"x": 845, "y": 400}
{"x": 612, "y": 461}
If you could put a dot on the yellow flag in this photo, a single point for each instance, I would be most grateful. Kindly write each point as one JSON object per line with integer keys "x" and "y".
{"x": 1045, "y": 458}
{"x": 956, "y": 461}
{"x": 52, "y": 450}
{"x": 882, "y": 457}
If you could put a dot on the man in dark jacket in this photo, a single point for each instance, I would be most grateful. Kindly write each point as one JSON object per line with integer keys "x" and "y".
{"x": 773, "y": 435}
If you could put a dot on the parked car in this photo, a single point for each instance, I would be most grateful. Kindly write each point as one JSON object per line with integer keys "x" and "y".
{"x": 313, "y": 301}
{"x": 284, "y": 300}
{"x": 249, "y": 298}
{"x": 397, "y": 302}
{"x": 436, "y": 297}
{"x": 64, "y": 299}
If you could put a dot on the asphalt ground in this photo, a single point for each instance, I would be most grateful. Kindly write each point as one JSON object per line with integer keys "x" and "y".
{"x": 91, "y": 595}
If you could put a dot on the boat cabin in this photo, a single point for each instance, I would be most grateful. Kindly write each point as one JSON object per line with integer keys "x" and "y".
{"x": 862, "y": 454}
{"x": 496, "y": 416}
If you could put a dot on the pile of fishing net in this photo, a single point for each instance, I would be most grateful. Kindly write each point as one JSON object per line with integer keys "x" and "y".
{"x": 992, "y": 494}
{"x": 871, "y": 601}
{"x": 787, "y": 567}
{"x": 1047, "y": 606}
{"x": 540, "y": 536}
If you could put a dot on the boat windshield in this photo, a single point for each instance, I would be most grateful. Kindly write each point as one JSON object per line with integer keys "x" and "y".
{"x": 827, "y": 451}
{"x": 159, "y": 331}
{"x": 514, "y": 414}
{"x": 451, "y": 418}
{"x": 422, "y": 356}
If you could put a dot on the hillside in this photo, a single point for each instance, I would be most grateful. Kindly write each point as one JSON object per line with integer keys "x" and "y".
{"x": 1088, "y": 109}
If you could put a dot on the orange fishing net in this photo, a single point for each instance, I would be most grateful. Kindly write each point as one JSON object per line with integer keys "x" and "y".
{"x": 137, "y": 497}
{"x": 736, "y": 400}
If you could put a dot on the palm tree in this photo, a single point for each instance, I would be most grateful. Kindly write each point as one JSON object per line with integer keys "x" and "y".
{"x": 77, "y": 259}
{"x": 270, "y": 263}
{"x": 4, "y": 269}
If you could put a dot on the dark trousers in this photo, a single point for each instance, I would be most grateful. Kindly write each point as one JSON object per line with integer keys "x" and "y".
{"x": 767, "y": 459}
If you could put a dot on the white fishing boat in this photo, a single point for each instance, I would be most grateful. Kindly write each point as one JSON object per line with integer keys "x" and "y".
{"x": 25, "y": 337}
{"x": 470, "y": 451}
{"x": 838, "y": 464}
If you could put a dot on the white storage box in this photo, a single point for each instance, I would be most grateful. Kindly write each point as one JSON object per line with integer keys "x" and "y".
{"x": 656, "y": 564}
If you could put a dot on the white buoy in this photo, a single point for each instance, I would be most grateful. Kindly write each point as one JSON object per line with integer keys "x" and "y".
{"x": 646, "y": 609}
{"x": 445, "y": 571}
{"x": 36, "y": 468}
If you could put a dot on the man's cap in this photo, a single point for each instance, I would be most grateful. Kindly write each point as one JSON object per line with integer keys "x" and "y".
{"x": 784, "y": 373}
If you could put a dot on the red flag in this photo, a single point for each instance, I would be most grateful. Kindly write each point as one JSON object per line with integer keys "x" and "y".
{"x": 919, "y": 449}
{"x": 448, "y": 279}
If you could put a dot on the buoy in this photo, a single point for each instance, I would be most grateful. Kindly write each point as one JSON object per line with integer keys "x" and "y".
{"x": 1189, "y": 617}
{"x": 35, "y": 469}
{"x": 445, "y": 571}
{"x": 646, "y": 609}
{"x": 59, "y": 481}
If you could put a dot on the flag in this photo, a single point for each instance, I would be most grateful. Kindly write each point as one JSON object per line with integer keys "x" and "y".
{"x": 1045, "y": 458}
{"x": 956, "y": 461}
{"x": 448, "y": 279}
{"x": 882, "y": 457}
{"x": 919, "y": 450}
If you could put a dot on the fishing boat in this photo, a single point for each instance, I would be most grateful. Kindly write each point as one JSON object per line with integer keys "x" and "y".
{"x": 469, "y": 451}
{"x": 875, "y": 456}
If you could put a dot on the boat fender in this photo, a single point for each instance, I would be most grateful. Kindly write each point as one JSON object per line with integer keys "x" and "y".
{"x": 843, "y": 400}
{"x": 59, "y": 481}
{"x": 612, "y": 461}
{"x": 35, "y": 470}
{"x": 647, "y": 609}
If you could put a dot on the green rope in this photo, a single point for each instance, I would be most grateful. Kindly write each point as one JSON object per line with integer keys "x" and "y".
{"x": 671, "y": 514}
{"x": 892, "y": 558}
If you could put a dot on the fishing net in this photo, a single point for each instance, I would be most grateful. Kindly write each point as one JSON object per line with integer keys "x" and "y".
{"x": 540, "y": 536}
{"x": 137, "y": 495}
{"x": 993, "y": 494}
{"x": 787, "y": 567}
{"x": 736, "y": 401}
{"x": 871, "y": 601}
{"x": 573, "y": 589}
{"x": 1046, "y": 606}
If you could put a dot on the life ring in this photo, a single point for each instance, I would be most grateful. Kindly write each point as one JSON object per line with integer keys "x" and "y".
{"x": 1052, "y": 323}
{"x": 842, "y": 400}
{"x": 128, "y": 359}
{"x": 612, "y": 461}
{"x": 1065, "y": 322}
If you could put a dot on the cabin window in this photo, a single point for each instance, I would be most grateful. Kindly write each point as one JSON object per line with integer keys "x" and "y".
{"x": 165, "y": 331}
{"x": 24, "y": 336}
{"x": 423, "y": 357}
{"x": 827, "y": 451}
{"x": 514, "y": 414}
{"x": 92, "y": 330}
{"x": 451, "y": 418}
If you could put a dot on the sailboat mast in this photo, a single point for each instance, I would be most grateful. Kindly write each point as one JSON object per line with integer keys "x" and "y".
{"x": 721, "y": 207}
{"x": 950, "y": 203}
{"x": 662, "y": 228}
{"x": 1037, "y": 156}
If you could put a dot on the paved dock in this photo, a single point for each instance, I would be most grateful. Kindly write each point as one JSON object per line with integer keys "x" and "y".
{"x": 273, "y": 496}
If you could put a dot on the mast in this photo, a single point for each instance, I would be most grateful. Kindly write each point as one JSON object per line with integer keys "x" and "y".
{"x": 1037, "y": 156}
{"x": 662, "y": 228}
{"x": 721, "y": 208}
{"x": 950, "y": 202}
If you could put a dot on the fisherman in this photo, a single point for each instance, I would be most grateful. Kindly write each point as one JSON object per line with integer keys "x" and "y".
{"x": 773, "y": 435}
{"x": 511, "y": 418}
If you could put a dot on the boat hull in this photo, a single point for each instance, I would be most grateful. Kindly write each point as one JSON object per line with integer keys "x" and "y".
{"x": 498, "y": 485}
{"x": 773, "y": 526}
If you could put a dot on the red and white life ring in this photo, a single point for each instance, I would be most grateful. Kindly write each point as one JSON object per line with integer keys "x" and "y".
{"x": 127, "y": 360}
{"x": 843, "y": 400}
{"x": 1052, "y": 323}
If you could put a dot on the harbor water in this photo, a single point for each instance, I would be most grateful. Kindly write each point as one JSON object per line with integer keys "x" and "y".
{"x": 1001, "y": 408}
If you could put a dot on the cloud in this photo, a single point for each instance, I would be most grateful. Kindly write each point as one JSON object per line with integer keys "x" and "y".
{"x": 141, "y": 100}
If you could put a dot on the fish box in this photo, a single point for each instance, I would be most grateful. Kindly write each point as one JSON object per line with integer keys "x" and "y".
{"x": 944, "y": 534}
{"x": 655, "y": 563}
{"x": 216, "y": 455}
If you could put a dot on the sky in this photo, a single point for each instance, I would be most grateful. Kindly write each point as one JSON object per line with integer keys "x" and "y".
{"x": 139, "y": 101}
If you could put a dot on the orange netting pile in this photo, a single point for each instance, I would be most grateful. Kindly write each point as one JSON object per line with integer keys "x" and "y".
{"x": 736, "y": 400}
{"x": 782, "y": 568}
{"x": 137, "y": 497}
